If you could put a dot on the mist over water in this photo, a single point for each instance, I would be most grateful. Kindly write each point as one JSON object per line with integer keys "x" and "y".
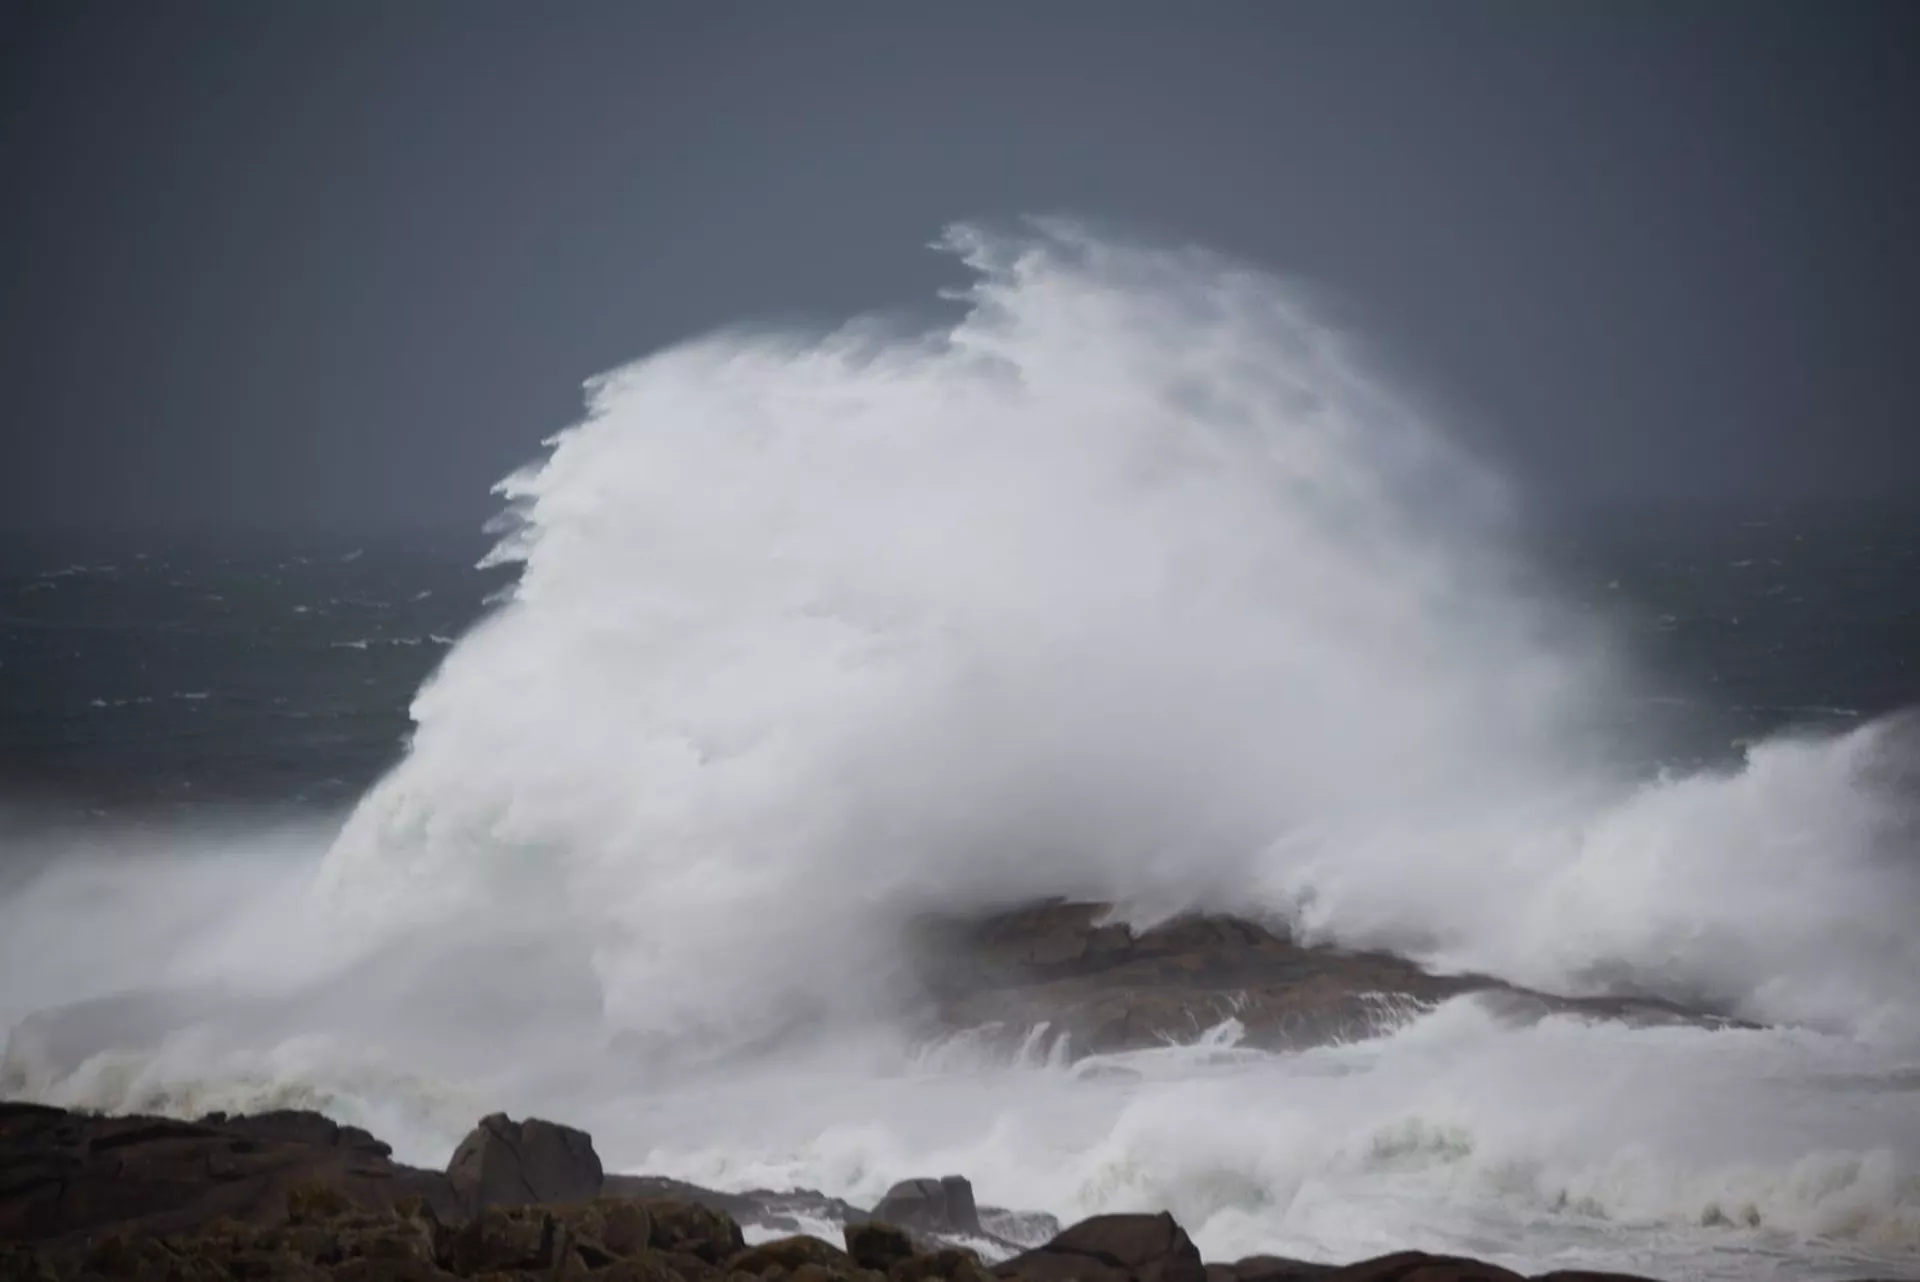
{"x": 1135, "y": 583}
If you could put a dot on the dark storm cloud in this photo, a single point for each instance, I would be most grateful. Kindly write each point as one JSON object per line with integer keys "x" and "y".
{"x": 346, "y": 263}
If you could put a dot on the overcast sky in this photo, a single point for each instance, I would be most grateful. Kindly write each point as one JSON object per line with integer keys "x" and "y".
{"x": 345, "y": 263}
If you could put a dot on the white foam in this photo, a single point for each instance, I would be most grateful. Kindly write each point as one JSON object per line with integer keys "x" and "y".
{"x": 1133, "y": 585}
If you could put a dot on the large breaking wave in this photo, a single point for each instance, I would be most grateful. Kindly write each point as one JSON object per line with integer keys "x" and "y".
{"x": 1133, "y": 584}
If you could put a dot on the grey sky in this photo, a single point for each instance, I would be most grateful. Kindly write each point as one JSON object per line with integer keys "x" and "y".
{"x": 345, "y": 263}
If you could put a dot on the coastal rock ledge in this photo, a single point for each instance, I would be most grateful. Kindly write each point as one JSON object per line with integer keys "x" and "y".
{"x": 295, "y": 1195}
{"x": 1075, "y": 971}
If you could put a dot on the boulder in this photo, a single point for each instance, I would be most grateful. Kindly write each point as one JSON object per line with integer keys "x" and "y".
{"x": 875, "y": 1245}
{"x": 1113, "y": 1248}
{"x": 944, "y": 1205}
{"x": 508, "y": 1163}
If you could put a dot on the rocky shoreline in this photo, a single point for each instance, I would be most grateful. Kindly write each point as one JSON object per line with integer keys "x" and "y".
{"x": 295, "y": 1195}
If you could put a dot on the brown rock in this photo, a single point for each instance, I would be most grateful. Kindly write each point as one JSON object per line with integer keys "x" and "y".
{"x": 507, "y": 1163}
{"x": 1113, "y": 1248}
{"x": 875, "y": 1245}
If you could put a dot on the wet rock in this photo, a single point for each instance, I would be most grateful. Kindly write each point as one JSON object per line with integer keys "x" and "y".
{"x": 508, "y": 1163}
{"x": 1113, "y": 1248}
{"x": 1101, "y": 986}
{"x": 875, "y": 1245}
{"x": 944, "y": 1205}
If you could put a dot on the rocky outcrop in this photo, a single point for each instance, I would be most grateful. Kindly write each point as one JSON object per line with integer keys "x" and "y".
{"x": 508, "y": 1163}
{"x": 944, "y": 1205}
{"x": 295, "y": 1196}
{"x": 1105, "y": 987}
{"x": 65, "y": 1175}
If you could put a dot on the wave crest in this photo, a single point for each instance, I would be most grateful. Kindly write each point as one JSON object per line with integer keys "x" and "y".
{"x": 1133, "y": 584}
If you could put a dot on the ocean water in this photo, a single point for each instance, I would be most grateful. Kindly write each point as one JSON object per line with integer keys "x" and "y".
{"x": 1135, "y": 581}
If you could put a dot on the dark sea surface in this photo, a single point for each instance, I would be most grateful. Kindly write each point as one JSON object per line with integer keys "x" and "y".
{"x": 154, "y": 675}
{"x": 144, "y": 675}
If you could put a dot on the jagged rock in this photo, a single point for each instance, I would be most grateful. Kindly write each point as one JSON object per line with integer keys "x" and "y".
{"x": 875, "y": 1245}
{"x": 1113, "y": 1248}
{"x": 507, "y": 1163}
{"x": 944, "y": 1205}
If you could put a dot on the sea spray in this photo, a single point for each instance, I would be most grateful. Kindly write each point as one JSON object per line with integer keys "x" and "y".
{"x": 1134, "y": 584}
